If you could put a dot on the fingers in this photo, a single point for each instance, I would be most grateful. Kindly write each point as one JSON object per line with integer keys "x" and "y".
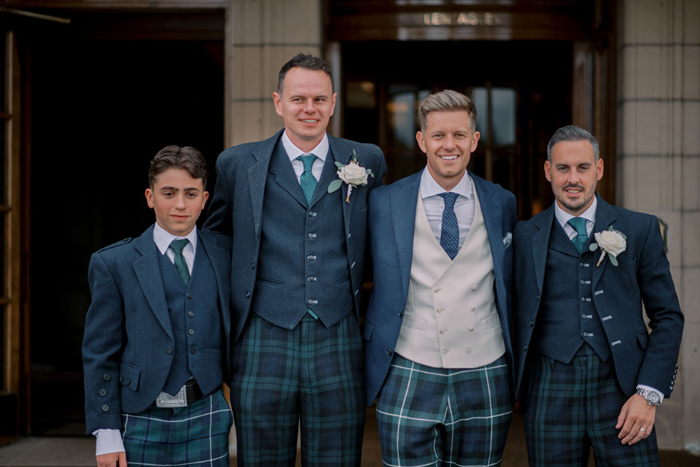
{"x": 122, "y": 459}
{"x": 636, "y": 420}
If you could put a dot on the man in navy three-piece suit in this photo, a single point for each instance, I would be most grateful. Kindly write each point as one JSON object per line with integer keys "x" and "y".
{"x": 298, "y": 257}
{"x": 156, "y": 346}
{"x": 438, "y": 327}
{"x": 588, "y": 372}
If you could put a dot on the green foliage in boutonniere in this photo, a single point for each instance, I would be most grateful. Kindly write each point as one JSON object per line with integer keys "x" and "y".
{"x": 353, "y": 174}
{"x": 613, "y": 242}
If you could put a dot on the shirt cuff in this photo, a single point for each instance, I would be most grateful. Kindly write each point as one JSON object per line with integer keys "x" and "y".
{"x": 661, "y": 394}
{"x": 108, "y": 441}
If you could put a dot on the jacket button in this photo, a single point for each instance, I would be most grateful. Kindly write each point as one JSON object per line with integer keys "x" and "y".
{"x": 252, "y": 266}
{"x": 103, "y": 392}
{"x": 191, "y": 331}
{"x": 525, "y": 349}
{"x": 189, "y": 295}
{"x": 121, "y": 379}
{"x": 106, "y": 377}
{"x": 128, "y": 382}
{"x": 400, "y": 314}
{"x": 532, "y": 323}
{"x": 247, "y": 294}
{"x": 389, "y": 352}
{"x": 312, "y": 214}
{"x": 105, "y": 408}
{"x": 193, "y": 351}
{"x": 169, "y": 350}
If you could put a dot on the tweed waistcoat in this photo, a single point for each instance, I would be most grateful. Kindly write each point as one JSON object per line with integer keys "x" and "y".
{"x": 303, "y": 261}
{"x": 196, "y": 324}
{"x": 451, "y": 319}
{"x": 567, "y": 316}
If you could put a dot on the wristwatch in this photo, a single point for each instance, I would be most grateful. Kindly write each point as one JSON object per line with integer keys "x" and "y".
{"x": 652, "y": 397}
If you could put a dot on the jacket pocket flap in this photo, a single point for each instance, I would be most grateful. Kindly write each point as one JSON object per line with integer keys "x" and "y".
{"x": 129, "y": 375}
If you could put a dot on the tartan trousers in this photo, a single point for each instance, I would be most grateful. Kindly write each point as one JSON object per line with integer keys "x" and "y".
{"x": 570, "y": 408}
{"x": 196, "y": 435}
{"x": 310, "y": 375}
{"x": 430, "y": 416}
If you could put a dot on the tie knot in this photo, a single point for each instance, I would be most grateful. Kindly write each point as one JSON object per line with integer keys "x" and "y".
{"x": 178, "y": 245}
{"x": 450, "y": 199}
{"x": 579, "y": 224}
{"x": 308, "y": 161}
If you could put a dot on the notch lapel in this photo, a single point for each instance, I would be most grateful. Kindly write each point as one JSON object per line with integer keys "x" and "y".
{"x": 604, "y": 218}
{"x": 540, "y": 244}
{"x": 146, "y": 269}
{"x": 257, "y": 175}
{"x": 491, "y": 211}
{"x": 403, "y": 216}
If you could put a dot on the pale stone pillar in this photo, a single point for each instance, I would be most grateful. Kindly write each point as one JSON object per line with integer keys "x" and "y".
{"x": 261, "y": 35}
{"x": 658, "y": 169}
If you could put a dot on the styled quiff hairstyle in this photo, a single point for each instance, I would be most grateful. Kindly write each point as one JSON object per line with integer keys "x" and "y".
{"x": 446, "y": 101}
{"x": 572, "y": 133}
{"x": 306, "y": 61}
{"x": 176, "y": 157}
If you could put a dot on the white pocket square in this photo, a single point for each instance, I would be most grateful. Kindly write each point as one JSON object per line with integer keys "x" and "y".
{"x": 507, "y": 239}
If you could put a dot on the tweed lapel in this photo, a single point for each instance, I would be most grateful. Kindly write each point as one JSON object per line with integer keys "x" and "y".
{"x": 339, "y": 152}
{"x": 257, "y": 175}
{"x": 540, "y": 244}
{"x": 604, "y": 218}
{"x": 491, "y": 212}
{"x": 221, "y": 268}
{"x": 327, "y": 176}
{"x": 148, "y": 273}
{"x": 283, "y": 173}
{"x": 403, "y": 215}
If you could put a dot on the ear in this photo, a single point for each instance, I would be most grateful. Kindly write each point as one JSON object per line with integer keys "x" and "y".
{"x": 475, "y": 140}
{"x": 205, "y": 197}
{"x": 149, "y": 197}
{"x": 277, "y": 99}
{"x": 599, "y": 169}
{"x": 547, "y": 167}
{"x": 421, "y": 141}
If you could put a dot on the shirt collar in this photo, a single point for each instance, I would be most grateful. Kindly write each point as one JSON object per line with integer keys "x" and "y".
{"x": 563, "y": 216}
{"x": 429, "y": 187}
{"x": 162, "y": 238}
{"x": 320, "y": 151}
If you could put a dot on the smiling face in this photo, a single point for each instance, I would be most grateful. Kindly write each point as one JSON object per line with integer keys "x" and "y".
{"x": 574, "y": 173}
{"x": 178, "y": 200}
{"x": 306, "y": 104}
{"x": 448, "y": 143}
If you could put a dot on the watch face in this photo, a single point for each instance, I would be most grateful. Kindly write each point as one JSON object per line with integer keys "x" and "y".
{"x": 653, "y": 398}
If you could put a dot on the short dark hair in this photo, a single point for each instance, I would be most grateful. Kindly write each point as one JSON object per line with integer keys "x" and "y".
{"x": 446, "y": 101}
{"x": 572, "y": 133}
{"x": 176, "y": 157}
{"x": 307, "y": 61}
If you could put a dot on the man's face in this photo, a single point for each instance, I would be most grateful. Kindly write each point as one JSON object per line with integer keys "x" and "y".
{"x": 448, "y": 143}
{"x": 178, "y": 200}
{"x": 574, "y": 173}
{"x": 306, "y": 104}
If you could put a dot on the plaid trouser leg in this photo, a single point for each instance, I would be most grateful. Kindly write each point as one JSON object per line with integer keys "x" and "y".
{"x": 192, "y": 435}
{"x": 430, "y": 416}
{"x": 569, "y": 408}
{"x": 312, "y": 375}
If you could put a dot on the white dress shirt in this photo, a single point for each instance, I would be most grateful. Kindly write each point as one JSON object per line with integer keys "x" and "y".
{"x": 110, "y": 440}
{"x": 320, "y": 151}
{"x": 434, "y": 204}
{"x": 589, "y": 214}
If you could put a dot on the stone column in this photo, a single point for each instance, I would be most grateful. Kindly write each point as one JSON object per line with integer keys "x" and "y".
{"x": 658, "y": 169}
{"x": 261, "y": 35}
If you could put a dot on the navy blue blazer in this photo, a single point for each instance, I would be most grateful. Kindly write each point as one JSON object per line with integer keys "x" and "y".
{"x": 392, "y": 221}
{"x": 642, "y": 276}
{"x": 237, "y": 206}
{"x": 128, "y": 329}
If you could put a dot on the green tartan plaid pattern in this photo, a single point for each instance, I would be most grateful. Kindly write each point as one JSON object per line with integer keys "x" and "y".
{"x": 570, "y": 408}
{"x": 435, "y": 416}
{"x": 310, "y": 375}
{"x": 196, "y": 435}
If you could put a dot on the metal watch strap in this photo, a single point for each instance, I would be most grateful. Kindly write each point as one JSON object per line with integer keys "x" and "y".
{"x": 652, "y": 397}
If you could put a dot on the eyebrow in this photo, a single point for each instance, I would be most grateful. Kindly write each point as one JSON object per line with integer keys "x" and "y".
{"x": 172, "y": 188}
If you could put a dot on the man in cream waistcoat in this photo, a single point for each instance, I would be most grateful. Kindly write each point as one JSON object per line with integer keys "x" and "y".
{"x": 437, "y": 332}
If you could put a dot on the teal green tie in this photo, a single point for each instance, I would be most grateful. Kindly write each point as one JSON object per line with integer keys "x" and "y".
{"x": 579, "y": 223}
{"x": 177, "y": 246}
{"x": 308, "y": 181}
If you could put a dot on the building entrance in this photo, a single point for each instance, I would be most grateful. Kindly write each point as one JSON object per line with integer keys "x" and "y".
{"x": 522, "y": 92}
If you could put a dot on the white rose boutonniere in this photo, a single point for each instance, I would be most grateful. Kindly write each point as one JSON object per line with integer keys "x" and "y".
{"x": 613, "y": 242}
{"x": 353, "y": 174}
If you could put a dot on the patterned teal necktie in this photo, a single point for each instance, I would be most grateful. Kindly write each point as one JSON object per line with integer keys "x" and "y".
{"x": 449, "y": 233}
{"x": 308, "y": 181}
{"x": 579, "y": 224}
{"x": 177, "y": 246}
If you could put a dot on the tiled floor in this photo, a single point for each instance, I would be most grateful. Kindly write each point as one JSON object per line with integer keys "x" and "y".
{"x": 53, "y": 451}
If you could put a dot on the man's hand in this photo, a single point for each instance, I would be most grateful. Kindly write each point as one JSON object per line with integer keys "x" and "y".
{"x": 113, "y": 459}
{"x": 636, "y": 420}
